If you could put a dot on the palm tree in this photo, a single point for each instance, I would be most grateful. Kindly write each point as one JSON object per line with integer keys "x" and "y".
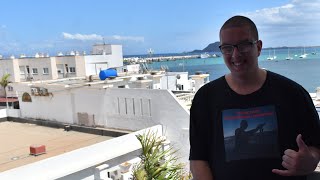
{"x": 157, "y": 163}
{"x": 4, "y": 83}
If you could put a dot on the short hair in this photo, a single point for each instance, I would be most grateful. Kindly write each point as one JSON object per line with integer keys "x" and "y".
{"x": 241, "y": 21}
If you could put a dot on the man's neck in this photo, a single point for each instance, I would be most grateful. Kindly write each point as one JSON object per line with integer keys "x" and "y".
{"x": 249, "y": 84}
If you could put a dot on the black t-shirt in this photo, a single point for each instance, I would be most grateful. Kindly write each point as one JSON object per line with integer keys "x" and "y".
{"x": 245, "y": 136}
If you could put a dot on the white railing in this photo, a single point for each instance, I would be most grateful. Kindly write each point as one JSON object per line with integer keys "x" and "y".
{"x": 185, "y": 98}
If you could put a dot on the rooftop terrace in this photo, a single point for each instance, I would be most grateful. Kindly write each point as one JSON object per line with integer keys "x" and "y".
{"x": 16, "y": 138}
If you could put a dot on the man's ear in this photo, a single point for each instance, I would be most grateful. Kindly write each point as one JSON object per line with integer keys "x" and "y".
{"x": 259, "y": 46}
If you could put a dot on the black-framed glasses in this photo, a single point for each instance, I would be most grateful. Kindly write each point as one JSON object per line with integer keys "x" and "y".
{"x": 242, "y": 47}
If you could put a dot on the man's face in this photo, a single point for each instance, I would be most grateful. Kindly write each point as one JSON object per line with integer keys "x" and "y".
{"x": 240, "y": 63}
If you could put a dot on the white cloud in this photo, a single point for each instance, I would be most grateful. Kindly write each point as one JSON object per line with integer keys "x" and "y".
{"x": 93, "y": 37}
{"x": 82, "y": 37}
{"x": 128, "y": 38}
{"x": 296, "y": 23}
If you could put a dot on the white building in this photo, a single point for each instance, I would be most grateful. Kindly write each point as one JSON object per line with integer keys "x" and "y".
{"x": 69, "y": 101}
{"x": 62, "y": 66}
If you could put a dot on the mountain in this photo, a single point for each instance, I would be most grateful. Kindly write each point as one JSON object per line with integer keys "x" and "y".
{"x": 213, "y": 47}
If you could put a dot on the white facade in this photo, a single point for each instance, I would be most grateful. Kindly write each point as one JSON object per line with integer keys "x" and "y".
{"x": 37, "y": 69}
{"x": 199, "y": 80}
{"x": 176, "y": 81}
{"x": 96, "y": 62}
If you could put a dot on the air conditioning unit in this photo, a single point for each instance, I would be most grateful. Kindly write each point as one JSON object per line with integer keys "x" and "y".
{"x": 43, "y": 91}
{"x": 29, "y": 78}
{"x": 35, "y": 91}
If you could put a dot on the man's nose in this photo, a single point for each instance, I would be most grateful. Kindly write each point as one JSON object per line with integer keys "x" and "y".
{"x": 236, "y": 52}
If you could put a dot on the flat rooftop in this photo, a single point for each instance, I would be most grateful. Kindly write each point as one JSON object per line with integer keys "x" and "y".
{"x": 16, "y": 139}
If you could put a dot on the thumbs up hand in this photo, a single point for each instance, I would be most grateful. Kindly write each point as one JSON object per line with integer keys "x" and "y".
{"x": 301, "y": 162}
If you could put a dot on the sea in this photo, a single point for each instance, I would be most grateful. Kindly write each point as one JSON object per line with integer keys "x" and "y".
{"x": 305, "y": 71}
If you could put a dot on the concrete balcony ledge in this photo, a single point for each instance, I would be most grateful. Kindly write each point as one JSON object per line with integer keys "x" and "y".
{"x": 80, "y": 163}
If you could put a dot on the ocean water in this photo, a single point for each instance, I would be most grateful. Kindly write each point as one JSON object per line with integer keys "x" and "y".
{"x": 304, "y": 71}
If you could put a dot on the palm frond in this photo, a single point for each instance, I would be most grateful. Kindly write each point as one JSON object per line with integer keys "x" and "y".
{"x": 156, "y": 163}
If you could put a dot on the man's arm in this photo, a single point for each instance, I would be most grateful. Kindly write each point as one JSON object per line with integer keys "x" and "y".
{"x": 200, "y": 170}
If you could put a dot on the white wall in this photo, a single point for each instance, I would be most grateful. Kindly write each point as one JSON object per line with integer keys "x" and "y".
{"x": 13, "y": 113}
{"x": 164, "y": 109}
{"x": 95, "y": 62}
{"x": 56, "y": 108}
{"x": 101, "y": 49}
{"x": 10, "y": 66}
{"x": 3, "y": 113}
{"x": 170, "y": 81}
{"x": 130, "y": 109}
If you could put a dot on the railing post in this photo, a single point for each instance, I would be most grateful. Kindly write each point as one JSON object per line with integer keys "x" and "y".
{"x": 98, "y": 170}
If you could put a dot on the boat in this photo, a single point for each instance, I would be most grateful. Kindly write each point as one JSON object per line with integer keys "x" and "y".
{"x": 274, "y": 54}
{"x": 304, "y": 55}
{"x": 289, "y": 57}
{"x": 204, "y": 55}
{"x": 150, "y": 52}
{"x": 215, "y": 55}
{"x": 272, "y": 57}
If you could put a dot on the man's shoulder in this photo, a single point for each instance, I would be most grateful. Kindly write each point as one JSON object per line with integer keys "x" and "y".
{"x": 211, "y": 88}
{"x": 282, "y": 81}
{"x": 217, "y": 83}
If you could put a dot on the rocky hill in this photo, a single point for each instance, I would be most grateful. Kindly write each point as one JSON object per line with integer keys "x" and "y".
{"x": 213, "y": 47}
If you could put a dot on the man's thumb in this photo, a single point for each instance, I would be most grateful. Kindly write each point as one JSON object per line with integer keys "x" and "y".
{"x": 302, "y": 146}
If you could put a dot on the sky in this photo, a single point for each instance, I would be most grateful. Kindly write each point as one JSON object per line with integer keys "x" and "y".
{"x": 166, "y": 26}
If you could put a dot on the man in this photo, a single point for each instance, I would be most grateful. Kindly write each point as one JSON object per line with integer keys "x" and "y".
{"x": 241, "y": 139}
{"x": 291, "y": 145}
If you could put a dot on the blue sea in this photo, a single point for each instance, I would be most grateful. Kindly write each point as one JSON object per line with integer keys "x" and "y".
{"x": 304, "y": 71}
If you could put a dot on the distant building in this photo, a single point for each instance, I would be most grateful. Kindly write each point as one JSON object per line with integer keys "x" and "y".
{"x": 62, "y": 66}
{"x": 73, "y": 65}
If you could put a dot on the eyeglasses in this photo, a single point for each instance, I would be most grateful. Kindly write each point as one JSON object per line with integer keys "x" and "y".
{"x": 242, "y": 47}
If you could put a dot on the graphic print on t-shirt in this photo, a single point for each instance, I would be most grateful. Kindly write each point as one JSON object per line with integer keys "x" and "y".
{"x": 250, "y": 133}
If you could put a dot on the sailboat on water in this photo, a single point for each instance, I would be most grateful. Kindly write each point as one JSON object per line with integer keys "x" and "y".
{"x": 289, "y": 57}
{"x": 272, "y": 57}
{"x": 304, "y": 55}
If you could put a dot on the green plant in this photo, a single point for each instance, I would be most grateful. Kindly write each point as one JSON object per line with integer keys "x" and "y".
{"x": 4, "y": 83}
{"x": 157, "y": 163}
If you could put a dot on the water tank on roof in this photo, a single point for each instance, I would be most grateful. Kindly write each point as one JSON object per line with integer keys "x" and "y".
{"x": 104, "y": 74}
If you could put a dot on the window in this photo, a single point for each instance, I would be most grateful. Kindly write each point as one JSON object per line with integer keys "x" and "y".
{"x": 72, "y": 70}
{"x": 34, "y": 71}
{"x": 45, "y": 70}
{"x": 28, "y": 69}
{"x": 10, "y": 88}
